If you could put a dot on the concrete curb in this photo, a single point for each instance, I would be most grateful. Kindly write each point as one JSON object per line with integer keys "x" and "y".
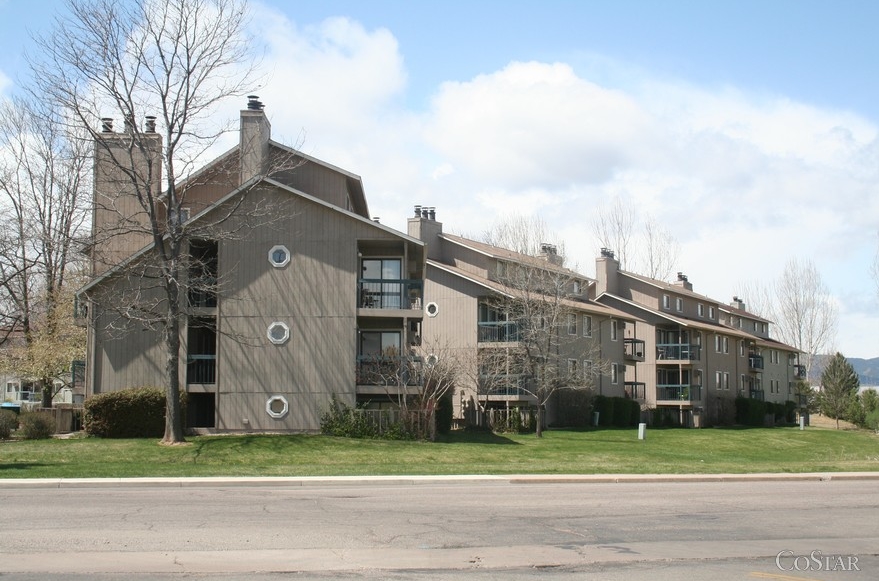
{"x": 305, "y": 481}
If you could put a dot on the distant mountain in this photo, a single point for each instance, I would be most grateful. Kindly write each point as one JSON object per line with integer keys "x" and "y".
{"x": 867, "y": 369}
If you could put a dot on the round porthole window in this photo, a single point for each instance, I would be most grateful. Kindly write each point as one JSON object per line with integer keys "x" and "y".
{"x": 431, "y": 360}
{"x": 277, "y": 406}
{"x": 432, "y": 309}
{"x": 278, "y": 333}
{"x": 279, "y": 256}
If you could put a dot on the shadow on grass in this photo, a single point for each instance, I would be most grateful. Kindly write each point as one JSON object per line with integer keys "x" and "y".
{"x": 464, "y": 437}
{"x": 22, "y": 465}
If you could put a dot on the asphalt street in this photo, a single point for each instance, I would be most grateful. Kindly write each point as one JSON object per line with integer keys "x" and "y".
{"x": 443, "y": 528}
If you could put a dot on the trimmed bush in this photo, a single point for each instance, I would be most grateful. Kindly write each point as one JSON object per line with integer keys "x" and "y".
{"x": 137, "y": 412}
{"x": 8, "y": 422}
{"x": 752, "y": 412}
{"x": 604, "y": 406}
{"x": 574, "y": 409}
{"x": 444, "y": 413}
{"x": 36, "y": 426}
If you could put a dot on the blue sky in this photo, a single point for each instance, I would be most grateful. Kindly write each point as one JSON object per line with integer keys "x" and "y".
{"x": 748, "y": 129}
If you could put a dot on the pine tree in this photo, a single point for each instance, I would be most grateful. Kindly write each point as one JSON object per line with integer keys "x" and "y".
{"x": 840, "y": 385}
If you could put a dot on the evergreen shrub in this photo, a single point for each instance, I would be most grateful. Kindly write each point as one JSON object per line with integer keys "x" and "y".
{"x": 135, "y": 412}
{"x": 36, "y": 426}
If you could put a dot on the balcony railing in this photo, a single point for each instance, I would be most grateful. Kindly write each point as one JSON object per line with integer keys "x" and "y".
{"x": 633, "y": 349}
{"x": 756, "y": 394}
{"x": 497, "y": 332}
{"x": 755, "y": 361}
{"x": 672, "y": 392}
{"x": 635, "y": 390}
{"x": 502, "y": 385}
{"x": 800, "y": 371}
{"x": 678, "y": 351}
{"x": 201, "y": 369}
{"x": 388, "y": 371}
{"x": 389, "y": 293}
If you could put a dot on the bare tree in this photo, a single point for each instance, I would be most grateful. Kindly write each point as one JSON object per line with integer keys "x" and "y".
{"x": 176, "y": 59}
{"x": 528, "y": 235}
{"x": 44, "y": 197}
{"x": 801, "y": 308}
{"x": 660, "y": 251}
{"x": 538, "y": 304}
{"x": 621, "y": 225}
{"x": 615, "y": 226}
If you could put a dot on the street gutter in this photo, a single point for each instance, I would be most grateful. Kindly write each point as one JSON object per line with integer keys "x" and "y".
{"x": 330, "y": 481}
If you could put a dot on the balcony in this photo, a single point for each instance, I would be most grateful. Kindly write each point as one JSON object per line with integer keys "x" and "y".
{"x": 635, "y": 390}
{"x": 671, "y": 392}
{"x": 633, "y": 349}
{"x": 757, "y": 394}
{"x": 503, "y": 386}
{"x": 203, "y": 294}
{"x": 497, "y": 332}
{"x": 678, "y": 352}
{"x": 755, "y": 361}
{"x": 388, "y": 371}
{"x": 800, "y": 371}
{"x": 390, "y": 294}
{"x": 201, "y": 369}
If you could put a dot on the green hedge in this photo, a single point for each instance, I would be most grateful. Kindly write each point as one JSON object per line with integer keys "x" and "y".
{"x": 617, "y": 411}
{"x": 753, "y": 412}
{"x": 136, "y": 412}
{"x": 574, "y": 408}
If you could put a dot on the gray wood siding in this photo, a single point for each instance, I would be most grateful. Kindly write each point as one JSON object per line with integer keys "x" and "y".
{"x": 314, "y": 295}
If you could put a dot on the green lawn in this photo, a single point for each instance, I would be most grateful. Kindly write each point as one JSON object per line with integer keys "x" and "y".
{"x": 665, "y": 451}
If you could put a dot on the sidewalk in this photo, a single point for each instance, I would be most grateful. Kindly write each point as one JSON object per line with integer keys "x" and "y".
{"x": 288, "y": 481}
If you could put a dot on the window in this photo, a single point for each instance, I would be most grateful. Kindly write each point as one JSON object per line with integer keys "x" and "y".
{"x": 587, "y": 370}
{"x": 711, "y": 313}
{"x": 741, "y": 348}
{"x": 501, "y": 269}
{"x": 576, "y": 287}
{"x": 279, "y": 256}
{"x": 587, "y": 326}
{"x": 743, "y": 382}
{"x": 725, "y": 380}
{"x": 614, "y": 374}
{"x": 381, "y": 284}
{"x": 380, "y": 343}
{"x": 278, "y": 333}
{"x": 432, "y": 309}
{"x": 700, "y": 309}
{"x": 679, "y": 304}
{"x": 718, "y": 380}
{"x": 572, "y": 324}
{"x": 613, "y": 330}
{"x": 718, "y": 344}
{"x": 666, "y": 302}
{"x": 572, "y": 368}
{"x": 726, "y": 344}
{"x": 277, "y": 407}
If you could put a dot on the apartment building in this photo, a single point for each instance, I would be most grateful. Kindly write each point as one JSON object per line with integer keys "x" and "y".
{"x": 306, "y": 292}
{"x": 466, "y": 315}
{"x": 699, "y": 353}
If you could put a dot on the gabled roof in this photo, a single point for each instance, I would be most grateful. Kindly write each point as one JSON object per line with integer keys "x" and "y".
{"x": 742, "y": 313}
{"x": 667, "y": 286}
{"x": 498, "y": 288}
{"x": 511, "y": 255}
{"x": 701, "y": 325}
{"x": 231, "y": 195}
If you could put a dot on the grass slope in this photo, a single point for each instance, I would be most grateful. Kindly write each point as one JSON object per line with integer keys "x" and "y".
{"x": 665, "y": 451}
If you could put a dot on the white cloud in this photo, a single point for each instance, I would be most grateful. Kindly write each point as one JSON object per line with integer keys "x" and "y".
{"x": 745, "y": 181}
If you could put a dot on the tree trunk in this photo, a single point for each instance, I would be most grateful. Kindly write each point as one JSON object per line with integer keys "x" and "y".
{"x": 539, "y": 421}
{"x": 46, "y": 394}
{"x": 173, "y": 418}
